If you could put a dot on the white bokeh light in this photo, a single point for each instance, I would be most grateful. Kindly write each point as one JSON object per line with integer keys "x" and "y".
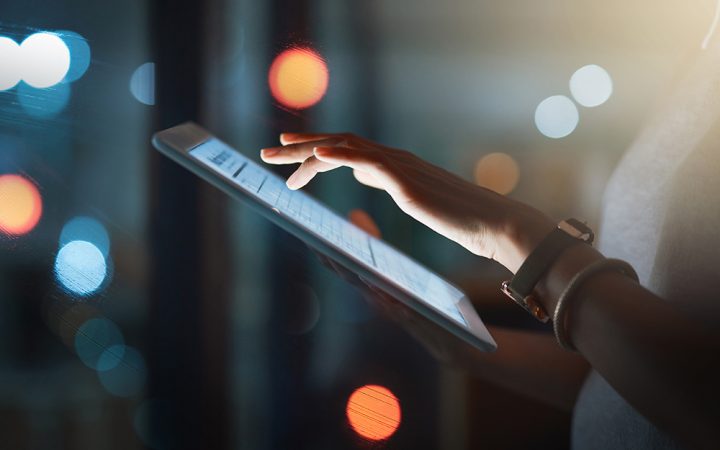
{"x": 11, "y": 68}
{"x": 556, "y": 116}
{"x": 591, "y": 86}
{"x": 80, "y": 267}
{"x": 45, "y": 59}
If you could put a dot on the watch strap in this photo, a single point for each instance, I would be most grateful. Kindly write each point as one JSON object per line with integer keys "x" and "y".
{"x": 520, "y": 288}
{"x": 538, "y": 262}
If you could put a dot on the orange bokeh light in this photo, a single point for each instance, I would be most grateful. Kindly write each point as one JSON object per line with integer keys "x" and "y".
{"x": 373, "y": 412}
{"x": 298, "y": 78}
{"x": 20, "y": 205}
{"x": 498, "y": 172}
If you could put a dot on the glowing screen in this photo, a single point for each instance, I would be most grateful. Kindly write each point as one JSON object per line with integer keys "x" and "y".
{"x": 316, "y": 219}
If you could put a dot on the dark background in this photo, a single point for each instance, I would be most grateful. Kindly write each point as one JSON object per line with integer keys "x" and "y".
{"x": 248, "y": 341}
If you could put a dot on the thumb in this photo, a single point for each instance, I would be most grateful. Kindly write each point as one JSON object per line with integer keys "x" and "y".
{"x": 362, "y": 220}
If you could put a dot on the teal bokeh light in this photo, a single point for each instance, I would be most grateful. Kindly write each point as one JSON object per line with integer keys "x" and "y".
{"x": 127, "y": 377}
{"x": 82, "y": 228}
{"x": 80, "y": 54}
{"x": 93, "y": 338}
{"x": 43, "y": 102}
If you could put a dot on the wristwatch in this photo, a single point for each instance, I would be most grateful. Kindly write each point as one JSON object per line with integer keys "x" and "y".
{"x": 520, "y": 287}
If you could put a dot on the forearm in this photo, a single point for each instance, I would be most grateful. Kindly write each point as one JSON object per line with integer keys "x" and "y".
{"x": 660, "y": 361}
{"x": 532, "y": 364}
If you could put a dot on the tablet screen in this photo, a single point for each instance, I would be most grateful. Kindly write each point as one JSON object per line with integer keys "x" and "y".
{"x": 317, "y": 219}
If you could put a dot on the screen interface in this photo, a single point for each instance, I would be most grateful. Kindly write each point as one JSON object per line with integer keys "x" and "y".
{"x": 317, "y": 219}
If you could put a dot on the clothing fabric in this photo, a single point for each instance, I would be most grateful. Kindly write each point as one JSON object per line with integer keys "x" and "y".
{"x": 661, "y": 213}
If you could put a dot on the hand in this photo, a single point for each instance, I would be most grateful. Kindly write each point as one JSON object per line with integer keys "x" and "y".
{"x": 482, "y": 221}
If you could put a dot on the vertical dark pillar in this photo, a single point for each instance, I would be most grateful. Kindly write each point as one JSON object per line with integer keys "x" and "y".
{"x": 188, "y": 295}
{"x": 289, "y": 355}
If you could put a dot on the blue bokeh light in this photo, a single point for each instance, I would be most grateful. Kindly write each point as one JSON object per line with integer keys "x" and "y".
{"x": 82, "y": 228}
{"x": 80, "y": 54}
{"x": 94, "y": 338}
{"x": 43, "y": 102}
{"x": 127, "y": 377}
{"x": 142, "y": 84}
{"x": 80, "y": 267}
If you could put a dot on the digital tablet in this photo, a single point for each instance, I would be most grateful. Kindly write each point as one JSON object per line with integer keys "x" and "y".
{"x": 329, "y": 233}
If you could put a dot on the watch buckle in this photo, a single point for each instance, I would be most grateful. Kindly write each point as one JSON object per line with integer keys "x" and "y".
{"x": 528, "y": 303}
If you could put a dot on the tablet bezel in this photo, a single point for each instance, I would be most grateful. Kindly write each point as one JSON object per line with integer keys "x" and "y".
{"x": 178, "y": 141}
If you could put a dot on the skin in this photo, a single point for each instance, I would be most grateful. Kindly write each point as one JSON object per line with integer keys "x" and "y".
{"x": 661, "y": 361}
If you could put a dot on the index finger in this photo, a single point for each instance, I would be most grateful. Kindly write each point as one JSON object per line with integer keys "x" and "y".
{"x": 293, "y": 153}
{"x": 298, "y": 138}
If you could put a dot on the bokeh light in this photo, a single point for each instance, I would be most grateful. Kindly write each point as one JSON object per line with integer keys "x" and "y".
{"x": 96, "y": 336}
{"x": 87, "y": 229}
{"x": 142, "y": 84}
{"x": 11, "y": 68}
{"x": 20, "y": 205}
{"x": 498, "y": 172}
{"x": 298, "y": 78}
{"x": 43, "y": 102}
{"x": 80, "y": 267}
{"x": 591, "y": 86}
{"x": 45, "y": 59}
{"x": 373, "y": 412}
{"x": 556, "y": 116}
{"x": 127, "y": 377}
{"x": 79, "y": 54}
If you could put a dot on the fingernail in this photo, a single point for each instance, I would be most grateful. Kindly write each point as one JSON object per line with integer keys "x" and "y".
{"x": 320, "y": 151}
{"x": 290, "y": 183}
{"x": 269, "y": 152}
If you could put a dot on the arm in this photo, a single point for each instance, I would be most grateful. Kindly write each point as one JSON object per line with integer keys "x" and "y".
{"x": 526, "y": 362}
{"x": 531, "y": 364}
{"x": 662, "y": 363}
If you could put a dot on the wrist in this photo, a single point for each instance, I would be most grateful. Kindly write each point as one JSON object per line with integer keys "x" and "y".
{"x": 520, "y": 235}
{"x": 537, "y": 251}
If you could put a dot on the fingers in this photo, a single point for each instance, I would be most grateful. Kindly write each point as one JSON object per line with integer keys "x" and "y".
{"x": 372, "y": 162}
{"x": 298, "y": 138}
{"x": 307, "y": 171}
{"x": 293, "y": 153}
{"x": 366, "y": 179}
{"x": 363, "y": 221}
